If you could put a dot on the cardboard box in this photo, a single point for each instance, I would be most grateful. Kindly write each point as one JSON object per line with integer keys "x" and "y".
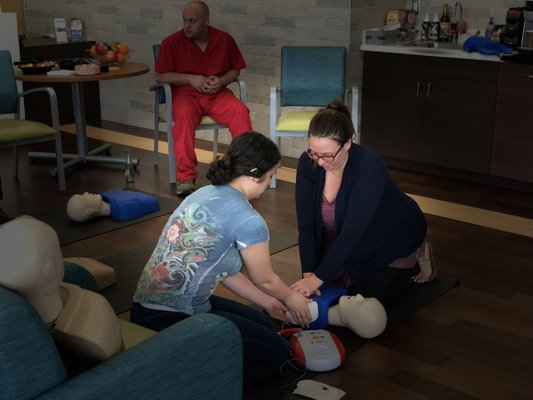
{"x": 396, "y": 17}
{"x": 61, "y": 30}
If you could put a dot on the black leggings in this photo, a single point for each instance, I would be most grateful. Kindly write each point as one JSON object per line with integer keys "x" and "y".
{"x": 264, "y": 350}
{"x": 388, "y": 285}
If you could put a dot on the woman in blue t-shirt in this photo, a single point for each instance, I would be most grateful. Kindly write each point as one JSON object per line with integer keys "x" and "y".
{"x": 206, "y": 241}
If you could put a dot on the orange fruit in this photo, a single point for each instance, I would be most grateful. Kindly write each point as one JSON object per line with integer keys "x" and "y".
{"x": 123, "y": 48}
{"x": 121, "y": 58}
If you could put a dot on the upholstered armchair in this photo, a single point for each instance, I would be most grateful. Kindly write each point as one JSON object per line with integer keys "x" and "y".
{"x": 198, "y": 358}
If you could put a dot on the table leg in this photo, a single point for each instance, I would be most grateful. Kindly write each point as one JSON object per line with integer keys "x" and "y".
{"x": 83, "y": 155}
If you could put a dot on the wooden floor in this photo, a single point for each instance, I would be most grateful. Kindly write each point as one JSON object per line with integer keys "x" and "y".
{"x": 475, "y": 342}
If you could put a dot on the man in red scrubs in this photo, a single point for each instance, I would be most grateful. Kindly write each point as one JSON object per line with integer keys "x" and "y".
{"x": 199, "y": 61}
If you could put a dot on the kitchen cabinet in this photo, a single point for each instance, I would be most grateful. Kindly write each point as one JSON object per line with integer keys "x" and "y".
{"x": 512, "y": 152}
{"x": 51, "y": 50}
{"x": 429, "y": 110}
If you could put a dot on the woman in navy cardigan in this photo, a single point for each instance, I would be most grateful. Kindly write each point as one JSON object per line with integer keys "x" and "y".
{"x": 357, "y": 229}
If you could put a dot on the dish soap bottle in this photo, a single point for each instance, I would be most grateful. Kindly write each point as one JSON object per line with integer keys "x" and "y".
{"x": 489, "y": 29}
{"x": 424, "y": 32}
{"x": 434, "y": 29}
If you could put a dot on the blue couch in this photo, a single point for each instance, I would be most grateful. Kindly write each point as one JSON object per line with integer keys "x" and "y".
{"x": 198, "y": 358}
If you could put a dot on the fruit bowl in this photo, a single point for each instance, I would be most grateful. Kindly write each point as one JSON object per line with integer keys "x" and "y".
{"x": 31, "y": 68}
{"x": 105, "y": 54}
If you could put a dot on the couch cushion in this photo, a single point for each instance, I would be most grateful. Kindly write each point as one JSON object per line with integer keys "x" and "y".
{"x": 29, "y": 361}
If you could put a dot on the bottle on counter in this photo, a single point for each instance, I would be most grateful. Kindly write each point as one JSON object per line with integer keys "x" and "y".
{"x": 444, "y": 24}
{"x": 434, "y": 29}
{"x": 489, "y": 29}
{"x": 454, "y": 27}
{"x": 424, "y": 31}
{"x": 129, "y": 170}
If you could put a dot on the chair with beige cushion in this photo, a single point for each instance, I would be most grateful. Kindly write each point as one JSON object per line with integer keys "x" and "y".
{"x": 15, "y": 132}
{"x": 310, "y": 77}
{"x": 163, "y": 115}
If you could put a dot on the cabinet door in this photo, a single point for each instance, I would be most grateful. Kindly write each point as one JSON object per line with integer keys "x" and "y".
{"x": 458, "y": 121}
{"x": 391, "y": 115}
{"x": 512, "y": 152}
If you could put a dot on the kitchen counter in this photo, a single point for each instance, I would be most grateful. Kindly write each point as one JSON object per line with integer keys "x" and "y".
{"x": 448, "y": 113}
{"x": 444, "y": 50}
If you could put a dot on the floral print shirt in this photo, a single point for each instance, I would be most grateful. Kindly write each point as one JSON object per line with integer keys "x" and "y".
{"x": 200, "y": 246}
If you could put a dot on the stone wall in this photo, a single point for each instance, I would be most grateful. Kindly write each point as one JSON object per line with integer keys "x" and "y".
{"x": 259, "y": 27}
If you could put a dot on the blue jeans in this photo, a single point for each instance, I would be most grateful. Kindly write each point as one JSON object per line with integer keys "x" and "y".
{"x": 264, "y": 350}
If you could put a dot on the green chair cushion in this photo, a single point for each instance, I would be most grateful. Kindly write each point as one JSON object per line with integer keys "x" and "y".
{"x": 16, "y": 129}
{"x": 295, "y": 121}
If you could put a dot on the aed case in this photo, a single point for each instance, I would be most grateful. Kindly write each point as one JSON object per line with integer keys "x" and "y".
{"x": 380, "y": 36}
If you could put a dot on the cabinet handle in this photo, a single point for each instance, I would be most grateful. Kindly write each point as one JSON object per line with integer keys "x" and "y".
{"x": 428, "y": 92}
{"x": 418, "y": 88}
{"x": 530, "y": 76}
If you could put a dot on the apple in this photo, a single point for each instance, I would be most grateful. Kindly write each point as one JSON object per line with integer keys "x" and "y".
{"x": 93, "y": 52}
{"x": 102, "y": 59}
{"x": 111, "y": 56}
{"x": 101, "y": 48}
{"x": 114, "y": 47}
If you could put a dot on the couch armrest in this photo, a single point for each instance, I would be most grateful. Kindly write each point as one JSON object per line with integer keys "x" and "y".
{"x": 198, "y": 358}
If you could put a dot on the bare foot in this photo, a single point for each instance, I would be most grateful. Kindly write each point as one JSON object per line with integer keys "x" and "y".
{"x": 428, "y": 269}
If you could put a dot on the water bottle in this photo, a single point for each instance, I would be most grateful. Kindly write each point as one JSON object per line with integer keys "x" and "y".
{"x": 489, "y": 29}
{"x": 130, "y": 168}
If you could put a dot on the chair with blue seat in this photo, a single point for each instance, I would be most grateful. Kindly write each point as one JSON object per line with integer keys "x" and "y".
{"x": 310, "y": 77}
{"x": 15, "y": 132}
{"x": 163, "y": 115}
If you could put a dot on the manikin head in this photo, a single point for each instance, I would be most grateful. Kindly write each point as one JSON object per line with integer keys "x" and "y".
{"x": 82, "y": 207}
{"x": 32, "y": 264}
{"x": 365, "y": 316}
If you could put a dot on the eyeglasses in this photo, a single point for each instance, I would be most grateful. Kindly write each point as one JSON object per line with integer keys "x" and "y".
{"x": 326, "y": 157}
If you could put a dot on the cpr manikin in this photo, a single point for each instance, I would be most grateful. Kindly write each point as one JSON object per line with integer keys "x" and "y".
{"x": 119, "y": 204}
{"x": 82, "y": 207}
{"x": 32, "y": 265}
{"x": 365, "y": 316}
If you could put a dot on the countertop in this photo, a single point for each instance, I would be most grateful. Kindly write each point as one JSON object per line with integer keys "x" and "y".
{"x": 444, "y": 50}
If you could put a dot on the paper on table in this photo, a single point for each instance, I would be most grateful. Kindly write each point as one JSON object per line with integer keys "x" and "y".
{"x": 60, "y": 72}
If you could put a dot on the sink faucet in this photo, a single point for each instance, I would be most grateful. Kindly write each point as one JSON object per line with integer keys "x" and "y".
{"x": 460, "y": 23}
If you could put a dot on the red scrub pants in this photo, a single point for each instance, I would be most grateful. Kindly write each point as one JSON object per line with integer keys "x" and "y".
{"x": 188, "y": 110}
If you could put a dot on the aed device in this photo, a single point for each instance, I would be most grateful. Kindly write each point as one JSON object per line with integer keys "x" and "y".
{"x": 317, "y": 350}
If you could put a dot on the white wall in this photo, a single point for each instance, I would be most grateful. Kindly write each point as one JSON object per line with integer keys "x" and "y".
{"x": 9, "y": 39}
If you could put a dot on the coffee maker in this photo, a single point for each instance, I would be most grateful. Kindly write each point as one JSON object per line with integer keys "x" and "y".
{"x": 513, "y": 34}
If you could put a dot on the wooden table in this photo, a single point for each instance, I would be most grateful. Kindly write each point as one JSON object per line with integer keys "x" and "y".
{"x": 127, "y": 70}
